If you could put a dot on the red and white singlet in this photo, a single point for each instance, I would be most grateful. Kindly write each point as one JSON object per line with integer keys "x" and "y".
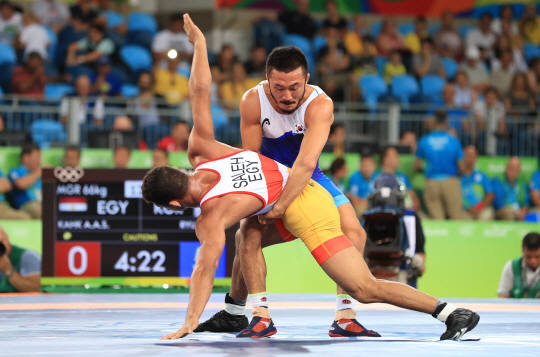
{"x": 246, "y": 172}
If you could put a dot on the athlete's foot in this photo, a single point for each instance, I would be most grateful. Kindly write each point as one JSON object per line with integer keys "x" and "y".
{"x": 459, "y": 322}
{"x": 350, "y": 328}
{"x": 223, "y": 322}
{"x": 259, "y": 327}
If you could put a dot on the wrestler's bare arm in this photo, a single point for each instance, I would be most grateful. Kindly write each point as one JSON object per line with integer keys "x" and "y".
{"x": 202, "y": 146}
{"x": 250, "y": 126}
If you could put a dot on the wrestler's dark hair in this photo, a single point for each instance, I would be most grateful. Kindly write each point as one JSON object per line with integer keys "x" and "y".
{"x": 286, "y": 59}
{"x": 164, "y": 184}
{"x": 531, "y": 241}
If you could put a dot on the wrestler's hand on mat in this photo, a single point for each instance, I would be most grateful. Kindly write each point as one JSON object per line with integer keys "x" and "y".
{"x": 270, "y": 216}
{"x": 185, "y": 330}
{"x": 192, "y": 31}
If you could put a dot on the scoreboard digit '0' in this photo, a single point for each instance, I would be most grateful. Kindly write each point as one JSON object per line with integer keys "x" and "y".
{"x": 96, "y": 224}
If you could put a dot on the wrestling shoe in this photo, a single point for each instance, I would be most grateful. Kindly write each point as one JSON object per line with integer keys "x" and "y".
{"x": 459, "y": 322}
{"x": 260, "y": 327}
{"x": 223, "y": 322}
{"x": 350, "y": 328}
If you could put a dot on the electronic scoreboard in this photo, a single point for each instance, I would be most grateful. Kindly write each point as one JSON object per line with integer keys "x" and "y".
{"x": 96, "y": 224}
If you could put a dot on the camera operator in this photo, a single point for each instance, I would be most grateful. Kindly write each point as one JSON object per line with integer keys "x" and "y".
{"x": 20, "y": 269}
{"x": 395, "y": 238}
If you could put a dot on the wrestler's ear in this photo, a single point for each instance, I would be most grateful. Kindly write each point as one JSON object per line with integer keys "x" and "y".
{"x": 307, "y": 78}
{"x": 175, "y": 203}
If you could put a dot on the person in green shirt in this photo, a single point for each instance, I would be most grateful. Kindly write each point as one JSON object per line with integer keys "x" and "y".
{"x": 521, "y": 277}
{"x": 20, "y": 269}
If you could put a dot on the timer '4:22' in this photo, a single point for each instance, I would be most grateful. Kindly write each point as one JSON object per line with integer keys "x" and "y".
{"x": 126, "y": 263}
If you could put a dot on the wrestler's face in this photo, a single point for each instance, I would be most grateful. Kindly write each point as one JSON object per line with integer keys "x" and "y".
{"x": 532, "y": 258}
{"x": 287, "y": 89}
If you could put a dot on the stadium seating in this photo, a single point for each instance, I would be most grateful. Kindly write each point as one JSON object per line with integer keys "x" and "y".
{"x": 318, "y": 43}
{"x": 8, "y": 60}
{"x": 373, "y": 87}
{"x": 450, "y": 67}
{"x": 376, "y": 29}
{"x": 46, "y": 132}
{"x": 404, "y": 88}
{"x": 55, "y": 91}
{"x": 304, "y": 44}
{"x": 268, "y": 34}
{"x": 129, "y": 90}
{"x": 379, "y": 64}
{"x": 433, "y": 28}
{"x": 51, "y": 51}
{"x": 140, "y": 38}
{"x": 7, "y": 54}
{"x": 531, "y": 51}
{"x": 137, "y": 58}
{"x": 406, "y": 28}
{"x": 432, "y": 87}
{"x": 464, "y": 30}
{"x": 113, "y": 19}
{"x": 139, "y": 21}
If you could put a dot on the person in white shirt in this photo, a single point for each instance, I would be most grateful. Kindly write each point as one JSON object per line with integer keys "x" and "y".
{"x": 10, "y": 22}
{"x": 482, "y": 37}
{"x": 507, "y": 14}
{"x": 51, "y": 13}
{"x": 173, "y": 38}
{"x": 521, "y": 277}
{"x": 82, "y": 90}
{"x": 33, "y": 37}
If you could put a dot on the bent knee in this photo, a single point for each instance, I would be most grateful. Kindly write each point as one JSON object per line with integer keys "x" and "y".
{"x": 367, "y": 293}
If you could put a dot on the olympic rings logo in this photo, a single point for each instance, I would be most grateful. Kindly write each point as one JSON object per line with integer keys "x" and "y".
{"x": 71, "y": 174}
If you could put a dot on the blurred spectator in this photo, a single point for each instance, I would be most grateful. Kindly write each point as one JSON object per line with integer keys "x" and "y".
{"x": 82, "y": 91}
{"x": 389, "y": 165}
{"x": 233, "y": 90}
{"x": 74, "y": 31}
{"x": 490, "y": 104}
{"x": 90, "y": 48}
{"x": 359, "y": 184}
{"x": 465, "y": 97}
{"x": 26, "y": 182}
{"x": 364, "y": 63}
{"x": 11, "y": 22}
{"x": 533, "y": 79}
{"x": 447, "y": 40}
{"x": 299, "y": 21}
{"x": 20, "y": 268}
{"x": 256, "y": 65}
{"x": 124, "y": 123}
{"x": 72, "y": 156}
{"x": 444, "y": 161}
{"x": 530, "y": 24}
{"x": 51, "y": 13}
{"x": 519, "y": 96}
{"x": 225, "y": 63}
{"x": 521, "y": 277}
{"x": 482, "y": 37}
{"x": 394, "y": 67}
{"x": 84, "y": 11}
{"x": 336, "y": 140}
{"x": 334, "y": 20}
{"x": 501, "y": 78}
{"x": 103, "y": 81}
{"x": 457, "y": 117}
{"x": 353, "y": 39}
{"x": 517, "y": 62}
{"x": 408, "y": 138}
{"x": 160, "y": 157}
{"x": 178, "y": 140}
{"x": 333, "y": 65}
{"x": 121, "y": 157}
{"x": 511, "y": 193}
{"x": 30, "y": 79}
{"x": 173, "y": 38}
{"x": 338, "y": 173}
{"x": 507, "y": 15}
{"x": 516, "y": 40}
{"x": 477, "y": 190}
{"x": 170, "y": 84}
{"x": 535, "y": 190}
{"x": 390, "y": 39}
{"x": 475, "y": 69}
{"x": 414, "y": 39}
{"x": 6, "y": 212}
{"x": 33, "y": 37}
{"x": 2, "y": 124}
{"x": 145, "y": 104}
{"x": 428, "y": 61}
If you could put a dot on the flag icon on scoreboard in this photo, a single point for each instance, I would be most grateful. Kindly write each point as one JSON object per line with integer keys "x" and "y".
{"x": 72, "y": 204}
